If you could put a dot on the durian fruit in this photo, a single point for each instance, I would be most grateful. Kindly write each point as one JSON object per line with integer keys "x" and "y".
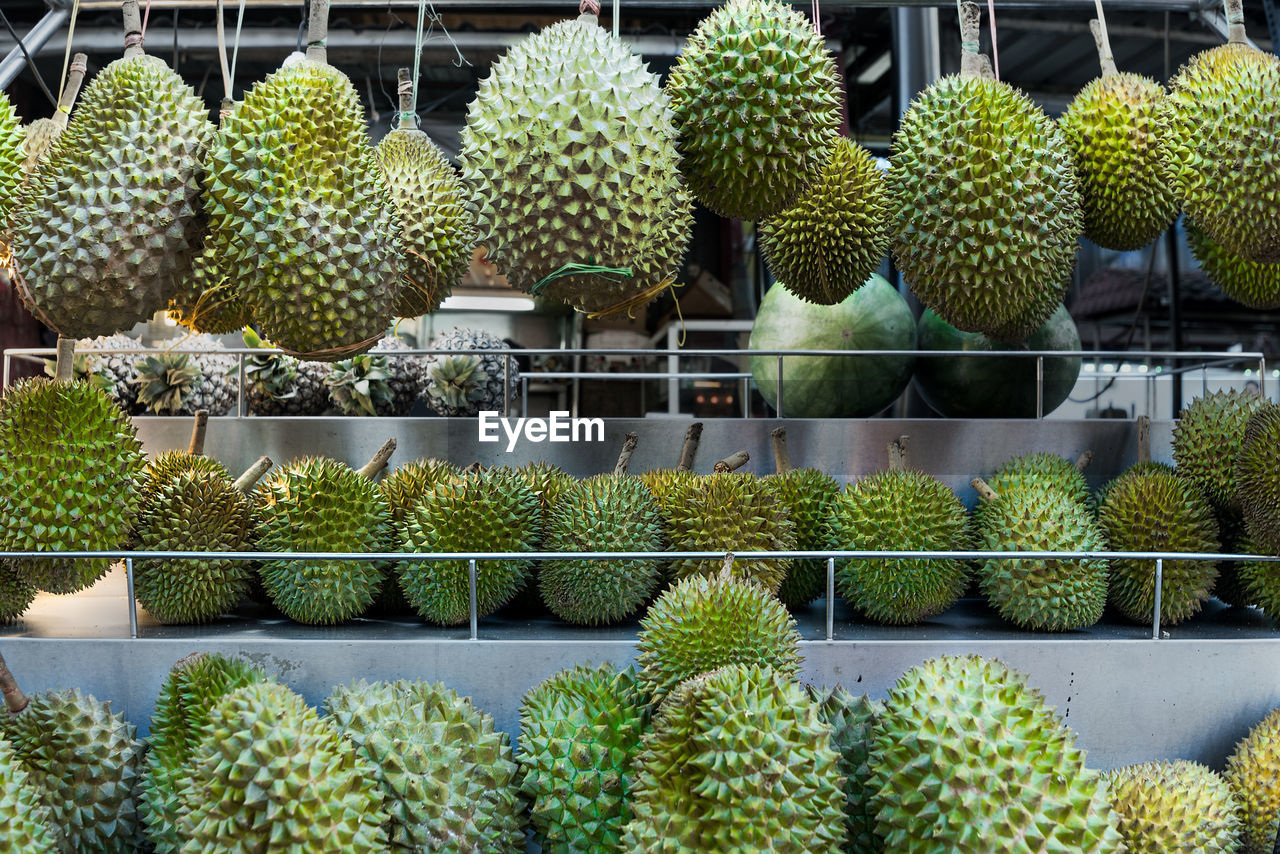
{"x": 447, "y": 777}
{"x": 68, "y": 458}
{"x": 169, "y": 465}
{"x": 978, "y": 246}
{"x": 834, "y": 237}
{"x": 16, "y": 594}
{"x": 193, "y": 687}
{"x": 41, "y": 134}
{"x": 1257, "y": 475}
{"x": 807, "y": 496}
{"x": 1258, "y": 581}
{"x": 268, "y": 774}
{"x": 84, "y": 762}
{"x": 706, "y": 622}
{"x": 853, "y": 721}
{"x": 1221, "y": 151}
{"x": 1254, "y": 774}
{"x": 278, "y": 384}
{"x": 291, "y": 162}
{"x": 24, "y": 824}
{"x": 469, "y": 383}
{"x": 739, "y": 760}
{"x": 489, "y": 511}
{"x": 376, "y": 383}
{"x": 12, "y": 155}
{"x": 599, "y": 216}
{"x": 321, "y": 505}
{"x": 1110, "y": 127}
{"x": 1049, "y": 595}
{"x": 402, "y": 490}
{"x": 900, "y": 509}
{"x": 1231, "y": 587}
{"x": 1174, "y": 808}
{"x": 1040, "y": 469}
{"x": 189, "y": 376}
{"x": 967, "y": 758}
{"x": 1154, "y": 510}
{"x": 757, "y": 105}
{"x": 580, "y": 731}
{"x": 1208, "y": 437}
{"x": 1251, "y": 283}
{"x": 438, "y": 230}
{"x": 105, "y": 237}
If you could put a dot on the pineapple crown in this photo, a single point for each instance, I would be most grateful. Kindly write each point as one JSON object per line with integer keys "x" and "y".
{"x": 166, "y": 380}
{"x": 271, "y": 375}
{"x": 458, "y": 380}
{"x": 360, "y": 385}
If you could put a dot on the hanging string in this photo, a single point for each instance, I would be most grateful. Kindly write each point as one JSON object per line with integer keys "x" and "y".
{"x": 617, "y": 15}
{"x": 417, "y": 56}
{"x": 995, "y": 54}
{"x": 66, "y": 60}
{"x": 30, "y": 63}
{"x": 817, "y": 17}
{"x": 146, "y": 16}
{"x": 589, "y": 7}
{"x": 235, "y": 47}
{"x": 222, "y": 52}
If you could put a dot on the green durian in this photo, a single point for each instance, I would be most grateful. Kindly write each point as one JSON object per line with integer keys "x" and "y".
{"x": 1044, "y": 469}
{"x": 448, "y": 778}
{"x": 12, "y": 155}
{"x": 580, "y": 731}
{"x": 168, "y": 465}
{"x": 1257, "y": 476}
{"x": 1253, "y": 284}
{"x": 269, "y": 775}
{"x": 1174, "y": 808}
{"x": 852, "y": 721}
{"x": 192, "y": 689}
{"x": 24, "y": 821}
{"x": 1257, "y": 582}
{"x": 599, "y": 216}
{"x": 1154, "y": 510}
{"x": 967, "y": 758}
{"x": 739, "y": 760}
{"x": 807, "y": 496}
{"x": 1231, "y": 587}
{"x": 757, "y": 105}
{"x": 411, "y": 482}
{"x": 1141, "y": 467}
{"x": 706, "y": 622}
{"x": 1254, "y": 774}
{"x": 16, "y": 593}
{"x": 1207, "y": 438}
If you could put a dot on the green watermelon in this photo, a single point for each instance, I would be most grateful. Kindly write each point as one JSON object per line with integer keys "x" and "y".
{"x": 990, "y": 387}
{"x": 874, "y": 317}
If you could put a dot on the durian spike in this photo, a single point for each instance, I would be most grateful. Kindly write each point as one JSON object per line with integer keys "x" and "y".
{"x": 984, "y": 490}
{"x": 474, "y": 468}
{"x": 898, "y": 454}
{"x": 13, "y": 696}
{"x": 253, "y": 474}
{"x": 781, "y": 457}
{"x": 379, "y": 461}
{"x": 75, "y": 77}
{"x": 132, "y": 29}
{"x": 624, "y": 458}
{"x": 1103, "y": 43}
{"x": 65, "y": 366}
{"x": 404, "y": 87}
{"x": 1082, "y": 461}
{"x": 1144, "y": 438}
{"x": 689, "y": 450}
{"x": 970, "y": 33}
{"x": 733, "y": 462}
{"x": 199, "y": 427}
{"x": 1235, "y": 22}
{"x": 318, "y": 31}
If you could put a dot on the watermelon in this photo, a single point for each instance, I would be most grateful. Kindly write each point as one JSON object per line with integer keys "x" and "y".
{"x": 992, "y": 387}
{"x": 874, "y": 317}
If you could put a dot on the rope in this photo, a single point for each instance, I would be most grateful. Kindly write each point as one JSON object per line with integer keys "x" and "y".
{"x": 235, "y": 46}
{"x": 406, "y": 88}
{"x": 615, "y": 273}
{"x": 589, "y": 7}
{"x": 995, "y": 54}
{"x": 66, "y": 59}
{"x": 817, "y": 17}
{"x": 146, "y": 16}
{"x": 30, "y": 63}
{"x": 222, "y": 52}
{"x": 417, "y": 55}
{"x": 617, "y": 15}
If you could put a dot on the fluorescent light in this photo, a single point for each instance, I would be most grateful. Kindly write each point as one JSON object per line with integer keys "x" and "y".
{"x": 460, "y": 303}
{"x": 875, "y": 70}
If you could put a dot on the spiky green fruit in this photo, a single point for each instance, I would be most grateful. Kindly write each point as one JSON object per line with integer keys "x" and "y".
{"x": 84, "y": 761}
{"x": 807, "y": 497}
{"x": 105, "y": 236}
{"x": 1220, "y": 151}
{"x": 1051, "y": 595}
{"x": 469, "y": 383}
{"x": 448, "y": 778}
{"x": 1257, "y": 475}
{"x": 607, "y": 513}
{"x": 320, "y": 505}
{"x": 1174, "y": 808}
{"x": 599, "y": 217}
{"x": 1230, "y": 587}
{"x": 437, "y": 229}
{"x": 1250, "y": 283}
{"x": 269, "y": 775}
{"x": 24, "y": 823}
{"x": 1208, "y": 437}
{"x": 1143, "y": 467}
{"x": 827, "y": 244}
{"x": 411, "y": 482}
{"x": 1041, "y": 468}
{"x": 490, "y": 511}
{"x": 1255, "y": 582}
{"x": 68, "y": 457}
{"x": 731, "y": 512}
{"x": 757, "y": 106}
{"x": 1155, "y": 510}
{"x": 662, "y": 484}
{"x": 706, "y": 622}
{"x": 974, "y": 245}
{"x": 852, "y": 721}
{"x": 1254, "y": 774}
{"x": 12, "y": 155}
{"x": 210, "y": 300}
{"x": 1126, "y": 191}
{"x": 293, "y": 161}
{"x": 38, "y": 139}
{"x": 900, "y": 510}
{"x": 739, "y": 759}
{"x": 16, "y": 593}
{"x": 967, "y": 757}
{"x": 580, "y": 731}
{"x": 168, "y": 465}
{"x": 183, "y": 708}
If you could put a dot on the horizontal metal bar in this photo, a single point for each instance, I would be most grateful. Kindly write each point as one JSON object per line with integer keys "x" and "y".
{"x": 1150, "y": 5}
{"x": 34, "y": 40}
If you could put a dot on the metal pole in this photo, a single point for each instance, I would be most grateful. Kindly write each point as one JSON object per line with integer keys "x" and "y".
{"x": 133, "y": 603}
{"x": 1262, "y": 375}
{"x": 1175, "y": 312}
{"x": 778, "y": 404}
{"x": 1039, "y": 386}
{"x": 831, "y": 598}
{"x": 471, "y": 593}
{"x": 1155, "y": 616}
{"x": 506, "y": 386}
{"x": 13, "y": 64}
{"x": 240, "y": 388}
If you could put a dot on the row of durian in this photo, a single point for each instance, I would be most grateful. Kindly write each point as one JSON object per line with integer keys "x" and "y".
{"x": 175, "y": 381}
{"x": 707, "y": 744}
{"x": 574, "y": 171}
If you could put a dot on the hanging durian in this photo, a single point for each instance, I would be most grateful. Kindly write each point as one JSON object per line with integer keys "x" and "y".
{"x": 41, "y": 134}
{"x": 1250, "y": 283}
{"x": 11, "y": 163}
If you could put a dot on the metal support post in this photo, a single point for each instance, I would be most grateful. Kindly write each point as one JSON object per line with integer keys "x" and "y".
{"x": 778, "y": 402}
{"x": 1155, "y": 616}
{"x": 1175, "y": 312}
{"x": 133, "y": 603}
{"x": 240, "y": 388}
{"x": 506, "y": 386}
{"x": 1039, "y": 387}
{"x": 471, "y": 594}
{"x": 831, "y": 598}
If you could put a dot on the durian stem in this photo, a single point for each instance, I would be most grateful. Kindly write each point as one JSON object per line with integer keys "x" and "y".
{"x": 379, "y": 461}
{"x": 405, "y": 91}
{"x": 1144, "y": 438}
{"x": 689, "y": 450}
{"x": 781, "y": 457}
{"x": 75, "y": 77}
{"x": 898, "y": 454}
{"x": 733, "y": 462}
{"x": 13, "y": 696}
{"x": 1082, "y": 461}
{"x": 726, "y": 568}
{"x": 65, "y": 366}
{"x": 1235, "y": 22}
{"x": 1103, "y": 43}
{"x": 624, "y": 458}
{"x": 198, "y": 430}
{"x": 970, "y": 33}
{"x": 132, "y": 29}
{"x": 253, "y": 474}
{"x": 985, "y": 492}
{"x": 225, "y": 108}
{"x": 318, "y": 31}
